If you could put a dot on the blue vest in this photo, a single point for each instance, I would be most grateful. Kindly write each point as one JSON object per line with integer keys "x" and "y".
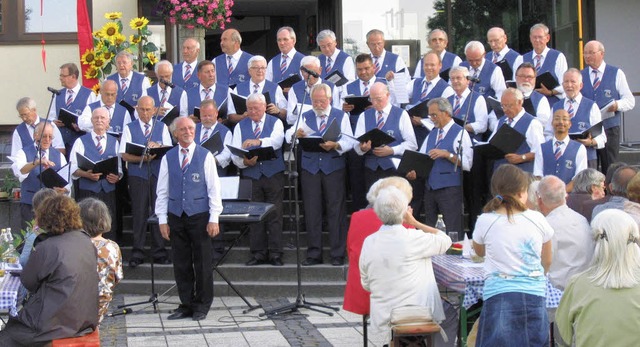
{"x": 549, "y": 65}
{"x": 391, "y": 127}
{"x": 337, "y": 65}
{"x": 246, "y": 88}
{"x": 522, "y": 126}
{"x": 535, "y": 100}
{"x": 78, "y": 104}
{"x": 137, "y": 136}
{"x": 442, "y": 173}
{"x": 447, "y": 63}
{"x": 580, "y": 121}
{"x": 178, "y": 78}
{"x": 223, "y": 130}
{"x": 174, "y": 97}
{"x": 238, "y": 75}
{"x": 435, "y": 92}
{"x": 565, "y": 167}
{"x": 31, "y": 184}
{"x": 484, "y": 86}
{"x": 327, "y": 162}
{"x": 510, "y": 57}
{"x": 353, "y": 88}
{"x": 471, "y": 98}
{"x": 266, "y": 168}
{"x": 134, "y": 90}
{"x": 117, "y": 120}
{"x": 91, "y": 152}
{"x": 388, "y": 64}
{"x": 292, "y": 69}
{"x": 187, "y": 191}
{"x": 194, "y": 97}
{"x": 605, "y": 93}
{"x": 23, "y": 132}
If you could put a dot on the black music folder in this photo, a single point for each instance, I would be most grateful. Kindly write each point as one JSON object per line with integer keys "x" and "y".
{"x": 196, "y": 112}
{"x": 116, "y": 134}
{"x": 263, "y": 153}
{"x": 129, "y": 108}
{"x": 239, "y": 102}
{"x": 360, "y": 103}
{"x": 136, "y": 149}
{"x": 511, "y": 84}
{"x": 222, "y": 110}
{"x": 548, "y": 80}
{"x": 378, "y": 138}
{"x": 527, "y": 104}
{"x": 104, "y": 167}
{"x": 170, "y": 116}
{"x": 594, "y": 131}
{"x": 444, "y": 74}
{"x": 506, "y": 140}
{"x": 420, "y": 162}
{"x": 507, "y": 71}
{"x": 337, "y": 78}
{"x": 52, "y": 178}
{"x": 289, "y": 81}
{"x": 68, "y": 118}
{"x": 214, "y": 143}
{"x": 495, "y": 105}
{"x": 312, "y": 143}
{"x": 420, "y": 110}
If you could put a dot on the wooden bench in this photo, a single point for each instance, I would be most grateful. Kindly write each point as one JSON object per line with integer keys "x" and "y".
{"x": 89, "y": 340}
{"x": 423, "y": 331}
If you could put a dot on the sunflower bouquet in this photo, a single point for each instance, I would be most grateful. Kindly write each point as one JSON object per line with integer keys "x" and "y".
{"x": 109, "y": 41}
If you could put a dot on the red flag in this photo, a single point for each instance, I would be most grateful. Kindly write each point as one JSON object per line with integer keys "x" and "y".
{"x": 85, "y": 39}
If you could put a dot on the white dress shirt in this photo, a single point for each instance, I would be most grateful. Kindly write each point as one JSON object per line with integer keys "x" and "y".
{"x": 21, "y": 160}
{"x": 184, "y": 103}
{"x": 594, "y": 118}
{"x": 78, "y": 147}
{"x": 16, "y": 142}
{"x": 274, "y": 139}
{"x": 224, "y": 157}
{"x": 497, "y": 78}
{"x": 294, "y": 102}
{"x": 280, "y": 100}
{"x": 580, "y": 159}
{"x": 406, "y": 132}
{"x": 419, "y": 72}
{"x": 448, "y": 91}
{"x": 627, "y": 101}
{"x": 467, "y": 149}
{"x": 92, "y": 98}
{"x": 348, "y": 67}
{"x": 534, "y": 135}
{"x": 210, "y": 177}
{"x": 479, "y": 111}
{"x": 345, "y": 128}
{"x": 84, "y": 121}
{"x": 270, "y": 67}
{"x": 126, "y": 135}
{"x": 560, "y": 67}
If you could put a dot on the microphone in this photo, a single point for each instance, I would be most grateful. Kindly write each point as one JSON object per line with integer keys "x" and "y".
{"x": 473, "y": 79}
{"x": 120, "y": 313}
{"x": 54, "y": 91}
{"x": 312, "y": 73}
{"x": 166, "y": 83}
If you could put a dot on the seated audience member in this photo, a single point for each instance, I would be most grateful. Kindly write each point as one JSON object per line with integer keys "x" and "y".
{"x": 632, "y": 207}
{"x": 364, "y": 223}
{"x": 96, "y": 221}
{"x": 34, "y": 231}
{"x": 619, "y": 182}
{"x": 587, "y": 185}
{"x": 62, "y": 279}
{"x": 600, "y": 306}
{"x": 517, "y": 244}
{"x": 532, "y": 201}
{"x": 395, "y": 263}
{"x": 590, "y": 204}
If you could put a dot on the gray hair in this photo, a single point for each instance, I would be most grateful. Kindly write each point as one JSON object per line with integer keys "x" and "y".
{"x": 457, "y": 69}
{"x": 532, "y": 198}
{"x": 390, "y": 205}
{"x": 40, "y": 127}
{"x": 375, "y": 32}
{"x": 474, "y": 46}
{"x": 40, "y": 195}
{"x": 446, "y": 37}
{"x": 256, "y": 58}
{"x": 394, "y": 181}
{"x": 125, "y": 54}
{"x": 598, "y": 44}
{"x": 586, "y": 179}
{"x": 552, "y": 191}
{"x": 174, "y": 124}
{"x": 310, "y": 59}
{"x": 539, "y": 26}
{"x": 26, "y": 102}
{"x": 620, "y": 180}
{"x": 323, "y": 87}
{"x": 324, "y": 34}
{"x": 443, "y": 105}
{"x": 235, "y": 36}
{"x": 616, "y": 258}
{"x": 575, "y": 71}
{"x": 292, "y": 33}
{"x": 95, "y": 216}
{"x": 516, "y": 92}
{"x": 194, "y": 40}
{"x": 257, "y": 97}
{"x": 163, "y": 62}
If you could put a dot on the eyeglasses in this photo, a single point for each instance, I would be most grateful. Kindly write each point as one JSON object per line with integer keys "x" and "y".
{"x": 259, "y": 68}
{"x": 526, "y": 77}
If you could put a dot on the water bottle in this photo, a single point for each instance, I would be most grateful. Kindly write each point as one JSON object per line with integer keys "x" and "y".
{"x": 440, "y": 224}
{"x": 10, "y": 254}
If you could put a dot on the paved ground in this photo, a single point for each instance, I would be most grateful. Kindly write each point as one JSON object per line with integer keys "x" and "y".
{"x": 227, "y": 325}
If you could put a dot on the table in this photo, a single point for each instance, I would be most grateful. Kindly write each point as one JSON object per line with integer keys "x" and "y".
{"x": 9, "y": 293}
{"x": 467, "y": 279}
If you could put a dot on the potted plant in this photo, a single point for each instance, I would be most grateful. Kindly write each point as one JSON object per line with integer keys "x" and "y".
{"x": 8, "y": 183}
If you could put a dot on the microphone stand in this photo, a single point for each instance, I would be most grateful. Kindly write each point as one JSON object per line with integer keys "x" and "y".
{"x": 460, "y": 152}
{"x": 39, "y": 155}
{"x": 300, "y": 302}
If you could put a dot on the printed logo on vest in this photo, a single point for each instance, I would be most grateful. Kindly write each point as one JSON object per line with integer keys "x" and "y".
{"x": 195, "y": 177}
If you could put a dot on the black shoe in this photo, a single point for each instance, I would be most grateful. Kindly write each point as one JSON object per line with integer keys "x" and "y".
{"x": 180, "y": 314}
{"x": 199, "y": 316}
{"x": 337, "y": 261}
{"x": 134, "y": 262}
{"x": 276, "y": 261}
{"x": 255, "y": 261}
{"x": 162, "y": 261}
{"x": 311, "y": 261}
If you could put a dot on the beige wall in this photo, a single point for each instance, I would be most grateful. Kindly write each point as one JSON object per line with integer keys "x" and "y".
{"x": 26, "y": 76}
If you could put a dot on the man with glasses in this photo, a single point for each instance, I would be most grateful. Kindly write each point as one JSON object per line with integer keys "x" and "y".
{"x": 118, "y": 114}
{"x": 165, "y": 95}
{"x": 132, "y": 85}
{"x": 286, "y": 63}
{"x": 333, "y": 58}
{"x": 497, "y": 40}
{"x": 438, "y": 41}
{"x": 23, "y": 135}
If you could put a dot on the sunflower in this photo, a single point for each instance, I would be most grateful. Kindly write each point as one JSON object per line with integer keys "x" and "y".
{"x": 98, "y": 63}
{"x": 96, "y": 88}
{"x": 152, "y": 58}
{"x": 88, "y": 57}
{"x": 110, "y": 30}
{"x": 138, "y": 23}
{"x": 92, "y": 72}
{"x": 135, "y": 39}
{"x": 113, "y": 15}
{"x": 98, "y": 34}
{"x": 118, "y": 39}
{"x": 107, "y": 55}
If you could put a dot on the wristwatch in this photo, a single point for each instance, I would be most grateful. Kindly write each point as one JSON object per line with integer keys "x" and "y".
{"x": 450, "y": 155}
{"x": 524, "y": 157}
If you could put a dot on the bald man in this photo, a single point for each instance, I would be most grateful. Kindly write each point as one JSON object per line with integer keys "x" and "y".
{"x": 185, "y": 74}
{"x": 490, "y": 81}
{"x": 500, "y": 52}
{"x": 232, "y": 64}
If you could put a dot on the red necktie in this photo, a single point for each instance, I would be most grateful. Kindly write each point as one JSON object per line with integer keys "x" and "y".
{"x": 185, "y": 159}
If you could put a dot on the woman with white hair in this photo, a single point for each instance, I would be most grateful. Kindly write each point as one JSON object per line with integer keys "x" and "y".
{"x": 601, "y": 306}
{"x": 395, "y": 264}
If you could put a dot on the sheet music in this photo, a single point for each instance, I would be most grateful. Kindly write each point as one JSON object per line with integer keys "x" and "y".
{"x": 229, "y": 187}
{"x": 65, "y": 172}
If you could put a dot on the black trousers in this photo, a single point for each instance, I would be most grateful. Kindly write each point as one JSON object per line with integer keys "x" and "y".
{"x": 448, "y": 202}
{"x": 265, "y": 239}
{"x": 192, "y": 260}
{"x": 609, "y": 154}
{"x": 110, "y": 200}
{"x": 139, "y": 190}
{"x": 357, "y": 186}
{"x": 371, "y": 176}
